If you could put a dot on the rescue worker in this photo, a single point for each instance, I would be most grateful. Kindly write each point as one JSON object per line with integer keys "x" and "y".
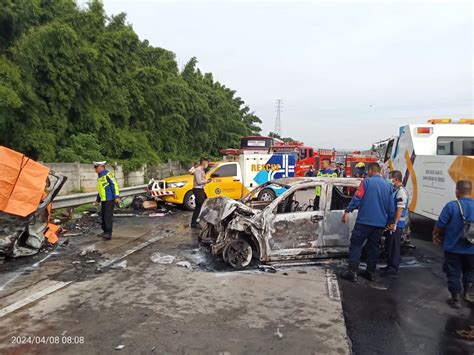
{"x": 199, "y": 182}
{"x": 458, "y": 251}
{"x": 374, "y": 201}
{"x": 360, "y": 170}
{"x": 310, "y": 172}
{"x": 326, "y": 171}
{"x": 108, "y": 195}
{"x": 393, "y": 236}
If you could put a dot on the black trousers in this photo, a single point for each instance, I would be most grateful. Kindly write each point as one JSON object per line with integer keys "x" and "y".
{"x": 200, "y": 197}
{"x": 392, "y": 246}
{"x": 107, "y": 213}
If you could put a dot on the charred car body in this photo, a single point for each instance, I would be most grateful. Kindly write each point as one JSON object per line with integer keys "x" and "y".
{"x": 27, "y": 189}
{"x": 287, "y": 228}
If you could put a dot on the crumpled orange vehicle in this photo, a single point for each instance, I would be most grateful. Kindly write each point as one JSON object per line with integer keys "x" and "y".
{"x": 27, "y": 189}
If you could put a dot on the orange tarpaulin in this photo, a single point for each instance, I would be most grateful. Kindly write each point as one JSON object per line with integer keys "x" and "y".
{"x": 22, "y": 183}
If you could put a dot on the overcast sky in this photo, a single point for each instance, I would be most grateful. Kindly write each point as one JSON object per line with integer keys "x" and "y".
{"x": 349, "y": 73}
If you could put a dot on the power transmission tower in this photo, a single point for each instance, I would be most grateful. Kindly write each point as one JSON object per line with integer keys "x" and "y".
{"x": 279, "y": 110}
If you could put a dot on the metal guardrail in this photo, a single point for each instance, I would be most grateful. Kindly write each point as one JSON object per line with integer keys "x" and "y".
{"x": 90, "y": 197}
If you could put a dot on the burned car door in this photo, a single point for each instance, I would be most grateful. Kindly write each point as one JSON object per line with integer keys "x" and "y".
{"x": 336, "y": 235}
{"x": 294, "y": 227}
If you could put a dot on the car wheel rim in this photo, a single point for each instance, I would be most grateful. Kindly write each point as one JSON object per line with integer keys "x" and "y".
{"x": 266, "y": 196}
{"x": 192, "y": 201}
{"x": 239, "y": 253}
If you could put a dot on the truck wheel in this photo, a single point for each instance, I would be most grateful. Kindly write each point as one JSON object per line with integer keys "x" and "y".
{"x": 238, "y": 253}
{"x": 189, "y": 201}
{"x": 267, "y": 195}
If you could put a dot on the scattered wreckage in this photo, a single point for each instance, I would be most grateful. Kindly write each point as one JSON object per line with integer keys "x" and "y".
{"x": 27, "y": 189}
{"x": 290, "y": 227}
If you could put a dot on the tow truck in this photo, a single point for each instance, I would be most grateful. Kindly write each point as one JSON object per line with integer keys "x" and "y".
{"x": 233, "y": 177}
{"x": 432, "y": 158}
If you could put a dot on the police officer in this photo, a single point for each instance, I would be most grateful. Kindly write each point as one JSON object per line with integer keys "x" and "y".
{"x": 393, "y": 236}
{"x": 458, "y": 251}
{"x": 108, "y": 195}
{"x": 374, "y": 201}
{"x": 326, "y": 171}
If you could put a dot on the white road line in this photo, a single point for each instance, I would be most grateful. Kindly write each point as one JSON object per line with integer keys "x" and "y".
{"x": 333, "y": 286}
{"x": 32, "y": 298}
{"x": 131, "y": 251}
{"x": 48, "y": 290}
{"x": 29, "y": 268}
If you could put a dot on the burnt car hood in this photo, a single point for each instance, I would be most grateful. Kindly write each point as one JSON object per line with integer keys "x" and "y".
{"x": 215, "y": 210}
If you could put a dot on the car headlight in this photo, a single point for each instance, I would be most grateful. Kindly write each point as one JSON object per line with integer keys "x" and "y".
{"x": 174, "y": 185}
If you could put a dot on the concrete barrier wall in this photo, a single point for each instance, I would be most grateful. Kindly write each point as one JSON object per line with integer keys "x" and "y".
{"x": 82, "y": 177}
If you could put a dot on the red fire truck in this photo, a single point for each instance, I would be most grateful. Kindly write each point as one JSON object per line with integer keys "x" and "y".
{"x": 305, "y": 156}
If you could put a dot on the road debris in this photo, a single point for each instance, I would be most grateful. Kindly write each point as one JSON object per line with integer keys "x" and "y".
{"x": 467, "y": 334}
{"x": 150, "y": 205}
{"x": 72, "y": 234}
{"x": 76, "y": 262}
{"x": 87, "y": 250}
{"x": 157, "y": 215}
{"x": 278, "y": 333}
{"x": 126, "y": 202}
{"x": 119, "y": 347}
{"x": 90, "y": 261}
{"x": 162, "y": 259}
{"x": 185, "y": 264}
{"x": 120, "y": 265}
{"x": 267, "y": 268}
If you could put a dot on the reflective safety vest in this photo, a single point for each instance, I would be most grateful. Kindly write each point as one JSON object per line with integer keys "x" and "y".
{"x": 328, "y": 173}
{"x": 106, "y": 192}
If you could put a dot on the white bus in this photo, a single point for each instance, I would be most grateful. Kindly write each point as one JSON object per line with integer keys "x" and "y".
{"x": 432, "y": 158}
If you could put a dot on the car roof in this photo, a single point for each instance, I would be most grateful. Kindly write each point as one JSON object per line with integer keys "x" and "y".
{"x": 299, "y": 180}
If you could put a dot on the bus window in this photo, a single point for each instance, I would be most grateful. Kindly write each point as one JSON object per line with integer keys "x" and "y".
{"x": 455, "y": 146}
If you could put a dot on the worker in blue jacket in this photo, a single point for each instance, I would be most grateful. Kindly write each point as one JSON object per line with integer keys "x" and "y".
{"x": 374, "y": 201}
{"x": 107, "y": 196}
{"x": 458, "y": 265}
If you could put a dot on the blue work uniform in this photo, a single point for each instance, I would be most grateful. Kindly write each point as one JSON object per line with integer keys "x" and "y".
{"x": 393, "y": 238}
{"x": 458, "y": 253}
{"x": 374, "y": 201}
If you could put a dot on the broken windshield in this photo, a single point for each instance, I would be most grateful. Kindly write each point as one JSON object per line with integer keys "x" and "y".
{"x": 255, "y": 192}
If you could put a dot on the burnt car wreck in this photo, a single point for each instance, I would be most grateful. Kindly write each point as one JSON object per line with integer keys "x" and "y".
{"x": 295, "y": 225}
{"x": 27, "y": 190}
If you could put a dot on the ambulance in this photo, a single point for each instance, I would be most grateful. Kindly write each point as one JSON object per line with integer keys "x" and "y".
{"x": 432, "y": 158}
{"x": 233, "y": 178}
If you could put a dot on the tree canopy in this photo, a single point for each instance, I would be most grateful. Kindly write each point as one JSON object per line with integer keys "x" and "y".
{"x": 78, "y": 85}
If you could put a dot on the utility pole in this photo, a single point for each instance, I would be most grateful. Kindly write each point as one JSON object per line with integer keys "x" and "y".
{"x": 279, "y": 104}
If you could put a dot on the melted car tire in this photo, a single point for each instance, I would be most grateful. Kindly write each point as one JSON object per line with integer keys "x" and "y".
{"x": 187, "y": 201}
{"x": 267, "y": 192}
{"x": 238, "y": 253}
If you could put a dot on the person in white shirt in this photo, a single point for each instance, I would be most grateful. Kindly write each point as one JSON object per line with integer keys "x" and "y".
{"x": 198, "y": 189}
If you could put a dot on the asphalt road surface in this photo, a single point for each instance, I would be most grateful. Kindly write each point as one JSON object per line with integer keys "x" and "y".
{"x": 85, "y": 299}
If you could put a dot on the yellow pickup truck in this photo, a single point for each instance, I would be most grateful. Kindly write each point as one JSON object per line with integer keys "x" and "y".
{"x": 226, "y": 181}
